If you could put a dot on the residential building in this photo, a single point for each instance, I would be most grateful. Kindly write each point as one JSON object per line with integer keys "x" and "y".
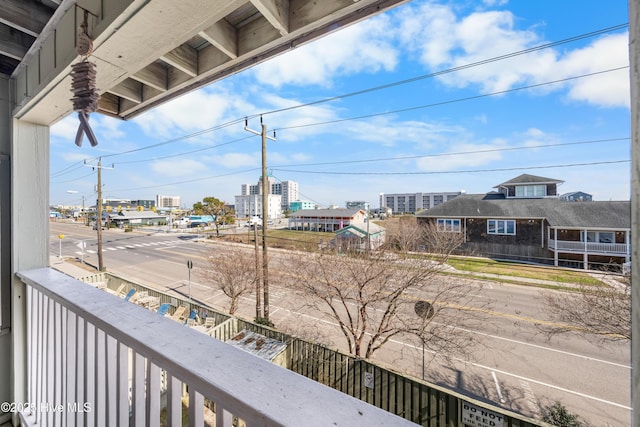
{"x": 525, "y": 220}
{"x": 299, "y": 205}
{"x": 170, "y": 202}
{"x": 287, "y": 190}
{"x": 527, "y": 186}
{"x": 327, "y": 220}
{"x": 401, "y": 203}
{"x": 251, "y": 205}
{"x": 577, "y": 196}
{"x": 367, "y": 236}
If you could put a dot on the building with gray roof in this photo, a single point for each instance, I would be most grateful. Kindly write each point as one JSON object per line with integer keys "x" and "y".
{"x": 524, "y": 225}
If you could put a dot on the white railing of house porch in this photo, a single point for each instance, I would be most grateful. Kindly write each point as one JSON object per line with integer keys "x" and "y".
{"x": 618, "y": 249}
{"x": 94, "y": 359}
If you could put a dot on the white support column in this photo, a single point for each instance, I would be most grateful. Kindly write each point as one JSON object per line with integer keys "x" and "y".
{"x": 634, "y": 61}
{"x": 627, "y": 242}
{"x": 29, "y": 199}
{"x": 585, "y": 256}
{"x": 5, "y": 243}
{"x": 555, "y": 247}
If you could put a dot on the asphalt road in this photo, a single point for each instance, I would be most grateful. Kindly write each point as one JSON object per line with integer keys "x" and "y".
{"x": 516, "y": 366}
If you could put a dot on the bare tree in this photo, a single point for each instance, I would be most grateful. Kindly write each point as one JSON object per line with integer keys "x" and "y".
{"x": 604, "y": 311}
{"x": 233, "y": 271}
{"x": 372, "y": 297}
{"x": 403, "y": 234}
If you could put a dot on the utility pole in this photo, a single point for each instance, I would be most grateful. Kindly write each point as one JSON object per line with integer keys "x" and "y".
{"x": 265, "y": 213}
{"x": 101, "y": 266}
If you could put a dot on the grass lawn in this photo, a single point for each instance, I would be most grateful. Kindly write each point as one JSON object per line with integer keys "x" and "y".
{"x": 522, "y": 270}
{"x": 311, "y": 241}
{"x": 285, "y": 239}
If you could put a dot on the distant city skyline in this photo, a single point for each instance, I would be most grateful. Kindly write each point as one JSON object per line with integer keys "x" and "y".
{"x": 429, "y": 97}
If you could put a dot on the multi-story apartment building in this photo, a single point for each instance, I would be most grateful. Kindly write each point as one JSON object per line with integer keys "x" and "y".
{"x": 287, "y": 189}
{"x": 251, "y": 205}
{"x": 401, "y": 203}
{"x": 167, "y": 201}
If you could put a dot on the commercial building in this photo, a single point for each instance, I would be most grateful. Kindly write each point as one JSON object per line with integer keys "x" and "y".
{"x": 299, "y": 205}
{"x": 401, "y": 203}
{"x": 167, "y": 201}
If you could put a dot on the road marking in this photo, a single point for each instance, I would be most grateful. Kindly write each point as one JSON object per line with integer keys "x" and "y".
{"x": 567, "y": 353}
{"x": 495, "y": 380}
{"x": 120, "y": 247}
{"x": 566, "y": 390}
{"x": 519, "y": 377}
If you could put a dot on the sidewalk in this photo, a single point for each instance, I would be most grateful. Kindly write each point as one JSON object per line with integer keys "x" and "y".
{"x": 71, "y": 267}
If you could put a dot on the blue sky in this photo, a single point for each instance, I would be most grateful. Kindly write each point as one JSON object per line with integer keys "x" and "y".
{"x": 470, "y": 129}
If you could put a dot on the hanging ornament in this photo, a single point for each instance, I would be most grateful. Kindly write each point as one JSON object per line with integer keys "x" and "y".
{"x": 83, "y": 86}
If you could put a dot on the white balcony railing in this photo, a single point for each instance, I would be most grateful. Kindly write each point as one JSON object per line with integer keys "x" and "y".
{"x": 618, "y": 249}
{"x": 95, "y": 359}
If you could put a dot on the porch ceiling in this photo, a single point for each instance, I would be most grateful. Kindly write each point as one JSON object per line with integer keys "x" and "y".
{"x": 149, "y": 52}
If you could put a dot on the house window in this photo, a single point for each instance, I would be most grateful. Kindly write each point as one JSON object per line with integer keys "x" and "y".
{"x": 450, "y": 225}
{"x": 598, "y": 236}
{"x": 499, "y": 226}
{"x": 531, "y": 190}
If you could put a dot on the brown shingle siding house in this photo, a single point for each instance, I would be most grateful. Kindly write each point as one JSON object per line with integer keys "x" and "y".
{"x": 537, "y": 228}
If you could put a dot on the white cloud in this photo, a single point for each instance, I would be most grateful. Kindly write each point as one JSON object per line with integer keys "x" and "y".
{"x": 235, "y": 160}
{"x": 471, "y": 158}
{"x": 66, "y": 128}
{"x": 387, "y": 132}
{"x": 195, "y": 111}
{"x": 363, "y": 47}
{"x": 441, "y": 40}
{"x": 108, "y": 127}
{"x": 178, "y": 167}
{"x": 609, "y": 89}
{"x": 494, "y": 3}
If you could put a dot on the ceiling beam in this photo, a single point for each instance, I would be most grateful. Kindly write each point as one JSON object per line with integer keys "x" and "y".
{"x": 28, "y": 16}
{"x": 184, "y": 58}
{"x": 128, "y": 89}
{"x": 14, "y": 44}
{"x": 223, "y": 36}
{"x": 154, "y": 75}
{"x": 276, "y": 12}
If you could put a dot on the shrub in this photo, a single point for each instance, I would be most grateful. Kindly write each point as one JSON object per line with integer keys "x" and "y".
{"x": 558, "y": 415}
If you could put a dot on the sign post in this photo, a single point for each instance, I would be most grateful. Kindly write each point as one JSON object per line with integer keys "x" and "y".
{"x": 82, "y": 244}
{"x": 60, "y": 236}
{"x": 189, "y": 267}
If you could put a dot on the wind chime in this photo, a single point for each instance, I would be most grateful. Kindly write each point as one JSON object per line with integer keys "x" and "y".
{"x": 83, "y": 86}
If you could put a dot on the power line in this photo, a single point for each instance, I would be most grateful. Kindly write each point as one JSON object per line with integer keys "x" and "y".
{"x": 381, "y": 114}
{"x": 377, "y": 88}
{"x": 205, "y": 178}
{"x": 452, "y": 101}
{"x": 187, "y": 152}
{"x": 491, "y": 150}
{"x": 454, "y": 172}
{"x": 452, "y": 70}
